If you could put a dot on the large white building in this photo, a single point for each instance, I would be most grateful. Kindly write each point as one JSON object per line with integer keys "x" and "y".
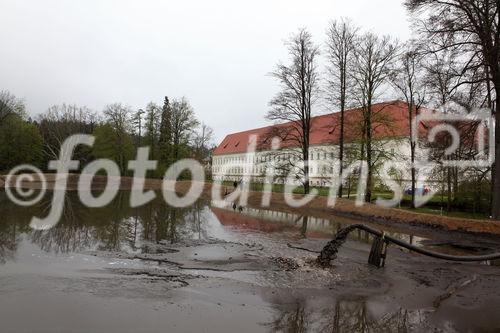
{"x": 250, "y": 154}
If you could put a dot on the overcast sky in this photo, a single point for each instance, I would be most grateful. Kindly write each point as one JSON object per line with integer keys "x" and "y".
{"x": 216, "y": 53}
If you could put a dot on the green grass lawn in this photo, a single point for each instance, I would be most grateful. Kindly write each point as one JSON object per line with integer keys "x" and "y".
{"x": 280, "y": 188}
{"x": 433, "y": 206}
{"x": 466, "y": 215}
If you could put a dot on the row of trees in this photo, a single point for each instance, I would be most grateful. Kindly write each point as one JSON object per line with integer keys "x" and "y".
{"x": 462, "y": 39}
{"x": 20, "y": 140}
{"x": 359, "y": 66}
{"x": 172, "y": 132}
{"x": 452, "y": 57}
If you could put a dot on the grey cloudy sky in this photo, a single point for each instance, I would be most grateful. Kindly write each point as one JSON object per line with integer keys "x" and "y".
{"x": 216, "y": 53}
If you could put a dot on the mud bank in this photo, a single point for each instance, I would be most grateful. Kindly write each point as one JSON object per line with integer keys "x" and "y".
{"x": 411, "y": 293}
{"x": 203, "y": 268}
{"x": 317, "y": 207}
{"x": 257, "y": 285}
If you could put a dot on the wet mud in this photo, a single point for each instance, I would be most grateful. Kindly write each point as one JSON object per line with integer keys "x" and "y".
{"x": 211, "y": 269}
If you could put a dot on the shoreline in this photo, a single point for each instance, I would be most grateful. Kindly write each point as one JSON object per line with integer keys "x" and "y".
{"x": 369, "y": 212}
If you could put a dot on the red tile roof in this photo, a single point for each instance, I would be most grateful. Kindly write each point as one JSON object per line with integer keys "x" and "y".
{"x": 389, "y": 120}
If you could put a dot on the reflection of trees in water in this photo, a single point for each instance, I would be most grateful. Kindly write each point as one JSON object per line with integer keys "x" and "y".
{"x": 165, "y": 223}
{"x": 160, "y": 222}
{"x": 195, "y": 221}
{"x": 292, "y": 319}
{"x": 344, "y": 316}
{"x": 9, "y": 239}
{"x": 153, "y": 222}
{"x": 115, "y": 227}
{"x": 71, "y": 234}
{"x": 354, "y": 316}
{"x": 303, "y": 229}
{"x": 63, "y": 239}
{"x": 14, "y": 221}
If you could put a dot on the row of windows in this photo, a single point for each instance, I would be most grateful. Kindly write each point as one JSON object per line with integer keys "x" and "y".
{"x": 241, "y": 170}
{"x": 270, "y": 157}
{"x": 325, "y": 169}
{"x": 322, "y": 182}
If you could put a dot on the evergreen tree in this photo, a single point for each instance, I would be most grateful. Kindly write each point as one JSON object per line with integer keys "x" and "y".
{"x": 152, "y": 129}
{"x": 166, "y": 134}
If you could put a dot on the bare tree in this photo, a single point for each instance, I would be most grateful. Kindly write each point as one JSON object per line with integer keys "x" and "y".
{"x": 61, "y": 121}
{"x": 472, "y": 27}
{"x": 10, "y": 105}
{"x": 442, "y": 77}
{"x": 374, "y": 59}
{"x": 119, "y": 118}
{"x": 202, "y": 141}
{"x": 341, "y": 37}
{"x": 408, "y": 80}
{"x": 299, "y": 83}
{"x": 184, "y": 123}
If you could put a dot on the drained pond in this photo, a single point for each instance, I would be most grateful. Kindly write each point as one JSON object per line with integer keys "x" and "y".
{"x": 212, "y": 267}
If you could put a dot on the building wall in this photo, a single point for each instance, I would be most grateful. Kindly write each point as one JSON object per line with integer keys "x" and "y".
{"x": 254, "y": 165}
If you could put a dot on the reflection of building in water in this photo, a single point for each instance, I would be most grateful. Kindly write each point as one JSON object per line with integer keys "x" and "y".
{"x": 274, "y": 221}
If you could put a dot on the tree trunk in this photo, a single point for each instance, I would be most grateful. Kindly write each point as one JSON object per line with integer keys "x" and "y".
{"x": 495, "y": 204}
{"x": 341, "y": 149}
{"x": 455, "y": 186}
{"x": 448, "y": 191}
{"x": 412, "y": 204}
{"x": 306, "y": 178}
{"x": 342, "y": 120}
{"x": 368, "y": 197}
{"x": 412, "y": 157}
{"x": 349, "y": 187}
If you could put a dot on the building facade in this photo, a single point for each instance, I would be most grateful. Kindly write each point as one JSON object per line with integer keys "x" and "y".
{"x": 251, "y": 156}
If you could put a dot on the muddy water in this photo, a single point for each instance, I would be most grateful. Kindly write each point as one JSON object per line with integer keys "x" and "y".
{"x": 211, "y": 268}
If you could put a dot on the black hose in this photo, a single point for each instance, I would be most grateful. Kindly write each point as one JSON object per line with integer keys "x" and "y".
{"x": 329, "y": 252}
